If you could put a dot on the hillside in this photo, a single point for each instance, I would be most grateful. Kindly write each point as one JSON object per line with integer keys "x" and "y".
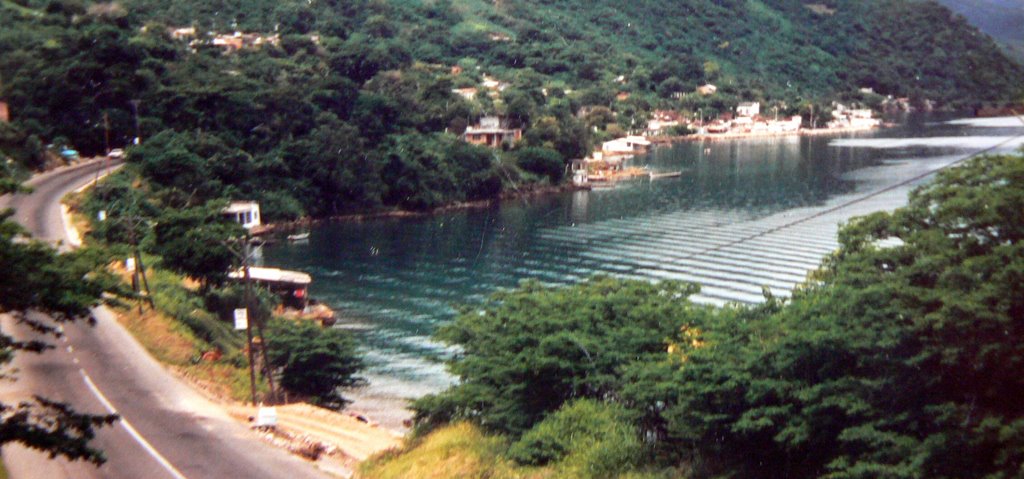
{"x": 1002, "y": 19}
{"x": 783, "y": 48}
{"x": 327, "y": 107}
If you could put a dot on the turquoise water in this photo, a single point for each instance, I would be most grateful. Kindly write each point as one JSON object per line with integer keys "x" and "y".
{"x": 394, "y": 281}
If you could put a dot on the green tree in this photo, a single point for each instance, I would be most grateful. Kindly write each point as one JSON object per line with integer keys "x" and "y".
{"x": 196, "y": 242}
{"x": 314, "y": 362}
{"x": 542, "y": 161}
{"x": 899, "y": 359}
{"x": 526, "y": 352}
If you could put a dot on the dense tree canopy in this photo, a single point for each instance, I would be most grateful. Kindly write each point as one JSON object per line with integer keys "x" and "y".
{"x": 314, "y": 120}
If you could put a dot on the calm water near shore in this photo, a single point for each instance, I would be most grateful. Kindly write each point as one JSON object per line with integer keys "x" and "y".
{"x": 393, "y": 281}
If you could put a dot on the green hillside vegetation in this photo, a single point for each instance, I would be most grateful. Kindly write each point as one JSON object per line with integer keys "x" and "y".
{"x": 999, "y": 18}
{"x": 898, "y": 358}
{"x": 351, "y": 109}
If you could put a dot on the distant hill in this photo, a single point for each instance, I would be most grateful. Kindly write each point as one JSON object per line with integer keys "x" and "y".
{"x": 1002, "y": 19}
{"x": 769, "y": 48}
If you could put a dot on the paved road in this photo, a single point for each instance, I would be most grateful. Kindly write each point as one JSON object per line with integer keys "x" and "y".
{"x": 167, "y": 429}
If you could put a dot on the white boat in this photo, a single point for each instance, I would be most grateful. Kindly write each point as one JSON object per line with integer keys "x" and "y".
{"x": 299, "y": 237}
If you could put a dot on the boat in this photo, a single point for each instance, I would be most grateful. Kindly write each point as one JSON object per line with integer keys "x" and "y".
{"x": 299, "y": 237}
{"x": 667, "y": 174}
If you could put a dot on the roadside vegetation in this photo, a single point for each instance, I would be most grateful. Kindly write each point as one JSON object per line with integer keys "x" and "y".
{"x": 182, "y": 312}
{"x": 898, "y": 358}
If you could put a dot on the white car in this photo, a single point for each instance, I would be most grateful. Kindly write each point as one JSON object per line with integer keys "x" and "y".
{"x": 116, "y": 154}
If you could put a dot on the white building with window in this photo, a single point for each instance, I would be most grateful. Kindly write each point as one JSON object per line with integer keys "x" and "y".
{"x": 748, "y": 109}
{"x": 245, "y": 213}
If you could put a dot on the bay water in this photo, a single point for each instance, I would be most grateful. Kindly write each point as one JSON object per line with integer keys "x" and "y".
{"x": 744, "y": 215}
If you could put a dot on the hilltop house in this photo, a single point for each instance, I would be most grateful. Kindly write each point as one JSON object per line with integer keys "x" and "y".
{"x": 706, "y": 90}
{"x": 748, "y": 109}
{"x": 182, "y": 33}
{"x": 245, "y": 213}
{"x": 492, "y": 132}
{"x": 239, "y": 40}
{"x": 467, "y": 93}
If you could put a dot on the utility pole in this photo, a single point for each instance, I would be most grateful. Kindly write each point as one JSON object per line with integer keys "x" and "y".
{"x": 106, "y": 133}
{"x": 248, "y": 325}
{"x": 135, "y": 110}
{"x": 246, "y": 254}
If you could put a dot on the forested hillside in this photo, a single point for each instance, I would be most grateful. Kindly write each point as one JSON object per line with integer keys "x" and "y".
{"x": 1002, "y": 19}
{"x": 335, "y": 106}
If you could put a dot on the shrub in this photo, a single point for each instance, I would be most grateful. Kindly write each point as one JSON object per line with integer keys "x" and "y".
{"x": 584, "y": 438}
{"x": 542, "y": 162}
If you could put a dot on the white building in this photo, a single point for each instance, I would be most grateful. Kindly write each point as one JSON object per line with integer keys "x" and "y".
{"x": 748, "y": 109}
{"x": 625, "y": 146}
{"x": 245, "y": 213}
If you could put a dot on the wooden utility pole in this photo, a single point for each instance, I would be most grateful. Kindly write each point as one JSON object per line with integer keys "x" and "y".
{"x": 106, "y": 132}
{"x": 248, "y": 300}
{"x": 248, "y": 323}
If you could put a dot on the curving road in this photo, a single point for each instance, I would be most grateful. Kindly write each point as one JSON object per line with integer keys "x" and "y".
{"x": 167, "y": 429}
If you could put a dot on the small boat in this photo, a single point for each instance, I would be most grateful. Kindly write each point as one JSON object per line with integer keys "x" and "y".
{"x": 299, "y": 237}
{"x": 668, "y": 174}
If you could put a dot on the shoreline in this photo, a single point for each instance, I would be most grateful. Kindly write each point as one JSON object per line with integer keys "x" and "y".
{"x": 668, "y": 140}
{"x": 270, "y": 229}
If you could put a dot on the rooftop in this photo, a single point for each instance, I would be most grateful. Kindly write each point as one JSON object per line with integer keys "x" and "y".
{"x": 273, "y": 275}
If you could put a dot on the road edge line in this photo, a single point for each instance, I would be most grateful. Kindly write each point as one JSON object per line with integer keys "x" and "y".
{"x": 131, "y": 429}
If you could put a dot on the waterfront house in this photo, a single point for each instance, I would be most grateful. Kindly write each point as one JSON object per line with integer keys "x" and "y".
{"x": 717, "y": 126}
{"x": 629, "y": 145}
{"x": 742, "y": 124}
{"x": 291, "y": 286}
{"x": 862, "y": 118}
{"x": 748, "y": 109}
{"x": 245, "y": 213}
{"x": 661, "y": 121}
{"x": 492, "y": 132}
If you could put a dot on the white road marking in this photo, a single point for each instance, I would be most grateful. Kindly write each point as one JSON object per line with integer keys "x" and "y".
{"x": 131, "y": 430}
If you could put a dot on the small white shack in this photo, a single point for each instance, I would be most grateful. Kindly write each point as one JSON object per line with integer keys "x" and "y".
{"x": 245, "y": 213}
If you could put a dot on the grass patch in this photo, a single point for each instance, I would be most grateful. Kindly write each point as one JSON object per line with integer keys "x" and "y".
{"x": 462, "y": 450}
{"x": 456, "y": 451}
